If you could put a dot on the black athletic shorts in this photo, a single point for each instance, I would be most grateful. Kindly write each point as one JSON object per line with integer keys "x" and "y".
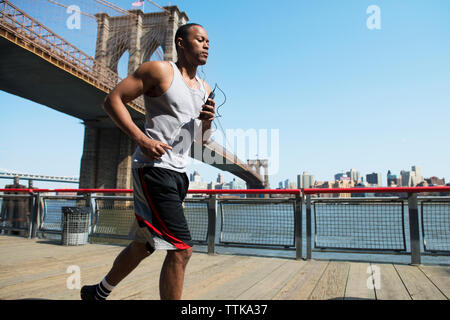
{"x": 158, "y": 203}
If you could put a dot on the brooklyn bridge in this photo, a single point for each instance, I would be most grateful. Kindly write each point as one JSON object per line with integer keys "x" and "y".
{"x": 38, "y": 64}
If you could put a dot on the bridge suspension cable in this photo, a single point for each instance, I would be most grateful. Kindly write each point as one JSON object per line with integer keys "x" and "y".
{"x": 66, "y": 6}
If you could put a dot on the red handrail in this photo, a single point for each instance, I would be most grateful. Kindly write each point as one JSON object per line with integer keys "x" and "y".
{"x": 95, "y": 190}
{"x": 378, "y": 190}
{"x": 70, "y": 190}
{"x": 258, "y": 191}
{"x": 248, "y": 191}
{"x": 224, "y": 191}
{"x": 17, "y": 190}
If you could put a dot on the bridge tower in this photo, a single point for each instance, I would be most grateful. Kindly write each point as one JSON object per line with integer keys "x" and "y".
{"x": 107, "y": 152}
{"x": 256, "y": 165}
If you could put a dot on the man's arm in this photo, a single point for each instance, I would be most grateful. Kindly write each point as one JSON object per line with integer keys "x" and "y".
{"x": 147, "y": 76}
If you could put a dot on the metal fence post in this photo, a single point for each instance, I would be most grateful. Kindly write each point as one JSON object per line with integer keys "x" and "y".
{"x": 298, "y": 226}
{"x": 32, "y": 215}
{"x": 211, "y": 223}
{"x": 91, "y": 213}
{"x": 308, "y": 227}
{"x": 36, "y": 216}
{"x": 414, "y": 228}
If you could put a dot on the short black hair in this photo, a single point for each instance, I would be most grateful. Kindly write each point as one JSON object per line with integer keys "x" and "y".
{"x": 182, "y": 32}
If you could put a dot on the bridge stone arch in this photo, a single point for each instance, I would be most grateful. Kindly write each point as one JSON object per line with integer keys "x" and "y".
{"x": 139, "y": 33}
{"x": 150, "y": 50}
{"x": 121, "y": 49}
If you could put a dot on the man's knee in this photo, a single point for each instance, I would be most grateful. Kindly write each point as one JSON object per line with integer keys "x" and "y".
{"x": 142, "y": 249}
{"x": 180, "y": 256}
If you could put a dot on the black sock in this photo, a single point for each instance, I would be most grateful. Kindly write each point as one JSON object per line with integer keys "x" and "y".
{"x": 103, "y": 289}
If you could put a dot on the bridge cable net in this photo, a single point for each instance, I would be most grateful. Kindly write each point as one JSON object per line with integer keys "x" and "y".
{"x": 95, "y": 36}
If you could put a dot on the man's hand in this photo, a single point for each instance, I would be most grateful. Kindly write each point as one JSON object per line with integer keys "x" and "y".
{"x": 208, "y": 112}
{"x": 207, "y": 116}
{"x": 153, "y": 149}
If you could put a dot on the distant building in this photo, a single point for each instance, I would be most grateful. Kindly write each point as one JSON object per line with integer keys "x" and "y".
{"x": 324, "y": 185}
{"x": 339, "y": 176}
{"x": 237, "y": 185}
{"x": 195, "y": 177}
{"x": 411, "y": 178}
{"x": 435, "y": 181}
{"x": 343, "y": 183}
{"x": 374, "y": 179}
{"x": 393, "y": 180}
{"x": 287, "y": 184}
{"x": 417, "y": 175}
{"x": 305, "y": 181}
{"x": 406, "y": 178}
{"x": 196, "y": 183}
{"x": 354, "y": 175}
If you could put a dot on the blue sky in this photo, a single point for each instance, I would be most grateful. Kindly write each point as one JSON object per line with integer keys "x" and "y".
{"x": 342, "y": 96}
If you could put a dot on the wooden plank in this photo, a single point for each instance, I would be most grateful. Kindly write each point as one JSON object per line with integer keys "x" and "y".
{"x": 43, "y": 282}
{"x": 418, "y": 285}
{"x": 357, "y": 284}
{"x": 145, "y": 282}
{"x": 391, "y": 285}
{"x": 269, "y": 286}
{"x": 332, "y": 283}
{"x": 22, "y": 250}
{"x": 14, "y": 274}
{"x": 440, "y": 276}
{"x": 247, "y": 274}
{"x": 198, "y": 284}
{"x": 50, "y": 262}
{"x": 36, "y": 268}
{"x": 303, "y": 283}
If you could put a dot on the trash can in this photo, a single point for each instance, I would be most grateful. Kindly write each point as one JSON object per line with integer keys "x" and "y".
{"x": 75, "y": 230}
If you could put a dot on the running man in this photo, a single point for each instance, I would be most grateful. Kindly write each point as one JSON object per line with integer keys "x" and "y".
{"x": 175, "y": 113}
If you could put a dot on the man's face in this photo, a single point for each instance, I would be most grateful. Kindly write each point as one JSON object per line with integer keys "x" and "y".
{"x": 196, "y": 46}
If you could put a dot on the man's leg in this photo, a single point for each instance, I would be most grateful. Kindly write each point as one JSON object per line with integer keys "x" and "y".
{"x": 123, "y": 265}
{"x": 172, "y": 274}
{"x": 126, "y": 262}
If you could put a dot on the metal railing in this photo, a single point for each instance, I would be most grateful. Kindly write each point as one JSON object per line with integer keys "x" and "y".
{"x": 389, "y": 225}
{"x": 435, "y": 223}
{"x": 359, "y": 224}
{"x": 408, "y": 225}
{"x": 16, "y": 212}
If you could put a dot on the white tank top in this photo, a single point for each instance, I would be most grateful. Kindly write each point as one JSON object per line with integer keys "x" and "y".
{"x": 172, "y": 118}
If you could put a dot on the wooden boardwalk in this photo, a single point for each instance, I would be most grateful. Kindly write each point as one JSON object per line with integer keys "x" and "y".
{"x": 37, "y": 269}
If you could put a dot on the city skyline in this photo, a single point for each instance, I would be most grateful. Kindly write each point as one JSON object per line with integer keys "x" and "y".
{"x": 285, "y": 183}
{"x": 410, "y": 178}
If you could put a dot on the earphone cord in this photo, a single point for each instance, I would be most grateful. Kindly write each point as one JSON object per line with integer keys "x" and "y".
{"x": 217, "y": 116}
